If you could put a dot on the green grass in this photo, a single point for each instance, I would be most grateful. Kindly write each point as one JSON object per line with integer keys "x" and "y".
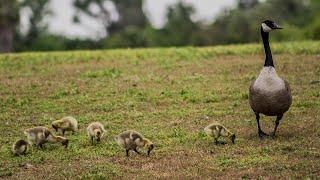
{"x": 169, "y": 95}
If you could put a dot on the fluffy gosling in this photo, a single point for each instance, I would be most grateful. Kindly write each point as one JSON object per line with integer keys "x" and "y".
{"x": 41, "y": 135}
{"x": 65, "y": 124}
{"x": 216, "y": 130}
{"x": 95, "y": 130}
{"x": 131, "y": 140}
{"x": 37, "y": 136}
{"x": 20, "y": 147}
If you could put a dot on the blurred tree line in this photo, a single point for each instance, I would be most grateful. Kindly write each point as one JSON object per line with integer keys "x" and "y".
{"x": 301, "y": 19}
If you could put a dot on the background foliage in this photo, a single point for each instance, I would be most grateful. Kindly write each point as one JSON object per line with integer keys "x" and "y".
{"x": 133, "y": 29}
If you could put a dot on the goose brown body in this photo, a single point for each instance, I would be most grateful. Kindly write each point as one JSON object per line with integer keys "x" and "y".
{"x": 270, "y": 103}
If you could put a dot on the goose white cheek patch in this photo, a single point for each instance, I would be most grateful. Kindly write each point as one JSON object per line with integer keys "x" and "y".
{"x": 265, "y": 28}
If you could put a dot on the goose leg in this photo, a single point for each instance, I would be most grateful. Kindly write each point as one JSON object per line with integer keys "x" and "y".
{"x": 279, "y": 117}
{"x": 127, "y": 152}
{"x": 262, "y": 134}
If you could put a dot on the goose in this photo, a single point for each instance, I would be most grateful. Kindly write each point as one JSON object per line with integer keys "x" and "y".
{"x": 65, "y": 124}
{"x": 20, "y": 147}
{"x": 95, "y": 130}
{"x": 41, "y": 135}
{"x": 131, "y": 140}
{"x": 217, "y": 130}
{"x": 269, "y": 94}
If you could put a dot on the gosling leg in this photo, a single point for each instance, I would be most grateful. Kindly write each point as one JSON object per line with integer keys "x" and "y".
{"x": 215, "y": 141}
{"x": 135, "y": 150}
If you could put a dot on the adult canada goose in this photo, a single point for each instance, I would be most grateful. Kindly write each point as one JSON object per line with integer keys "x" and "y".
{"x": 269, "y": 94}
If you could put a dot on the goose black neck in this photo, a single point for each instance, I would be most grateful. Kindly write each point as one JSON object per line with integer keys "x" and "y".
{"x": 265, "y": 38}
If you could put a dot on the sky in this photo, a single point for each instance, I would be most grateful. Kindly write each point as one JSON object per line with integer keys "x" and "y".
{"x": 61, "y": 21}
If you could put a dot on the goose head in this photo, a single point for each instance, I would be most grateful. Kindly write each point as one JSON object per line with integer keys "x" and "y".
{"x": 268, "y": 26}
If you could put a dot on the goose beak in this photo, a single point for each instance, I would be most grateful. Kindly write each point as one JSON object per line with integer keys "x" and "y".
{"x": 276, "y": 26}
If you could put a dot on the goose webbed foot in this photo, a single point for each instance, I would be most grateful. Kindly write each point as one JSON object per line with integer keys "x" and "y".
{"x": 273, "y": 135}
{"x": 262, "y": 135}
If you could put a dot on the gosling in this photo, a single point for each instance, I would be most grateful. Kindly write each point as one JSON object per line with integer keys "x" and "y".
{"x": 131, "y": 140}
{"x": 20, "y": 147}
{"x": 216, "y": 130}
{"x": 41, "y": 135}
{"x": 65, "y": 124}
{"x": 95, "y": 130}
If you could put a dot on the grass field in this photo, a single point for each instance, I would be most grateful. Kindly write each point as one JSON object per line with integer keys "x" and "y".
{"x": 169, "y": 95}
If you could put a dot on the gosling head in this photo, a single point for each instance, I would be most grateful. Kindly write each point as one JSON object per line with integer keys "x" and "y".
{"x": 232, "y": 138}
{"x": 65, "y": 143}
{"x": 55, "y": 125}
{"x": 149, "y": 145}
{"x": 97, "y": 133}
{"x": 268, "y": 26}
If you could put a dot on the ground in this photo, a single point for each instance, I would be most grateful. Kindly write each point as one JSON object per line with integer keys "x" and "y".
{"x": 168, "y": 95}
